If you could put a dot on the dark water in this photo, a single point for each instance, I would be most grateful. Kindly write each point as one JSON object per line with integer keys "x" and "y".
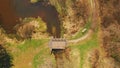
{"x": 12, "y": 10}
{"x": 7, "y": 15}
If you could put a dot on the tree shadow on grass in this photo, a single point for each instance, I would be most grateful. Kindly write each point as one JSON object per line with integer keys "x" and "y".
{"x": 5, "y": 58}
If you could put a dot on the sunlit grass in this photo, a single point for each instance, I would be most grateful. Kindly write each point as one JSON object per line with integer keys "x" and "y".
{"x": 33, "y": 1}
{"x": 31, "y": 43}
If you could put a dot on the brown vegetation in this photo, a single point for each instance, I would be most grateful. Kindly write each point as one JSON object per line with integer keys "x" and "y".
{"x": 62, "y": 58}
{"x": 77, "y": 15}
{"x": 109, "y": 54}
{"x": 110, "y": 15}
{"x": 26, "y": 30}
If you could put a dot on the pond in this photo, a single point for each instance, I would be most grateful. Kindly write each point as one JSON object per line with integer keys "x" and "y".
{"x": 12, "y": 10}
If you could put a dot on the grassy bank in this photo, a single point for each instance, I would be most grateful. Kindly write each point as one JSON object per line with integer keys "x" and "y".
{"x": 31, "y": 43}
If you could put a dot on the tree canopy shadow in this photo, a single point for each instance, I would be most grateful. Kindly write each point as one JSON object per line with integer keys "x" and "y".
{"x": 5, "y": 58}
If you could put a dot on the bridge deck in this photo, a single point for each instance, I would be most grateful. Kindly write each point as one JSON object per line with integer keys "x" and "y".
{"x": 58, "y": 43}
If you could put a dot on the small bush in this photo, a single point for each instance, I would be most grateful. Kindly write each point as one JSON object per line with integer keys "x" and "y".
{"x": 29, "y": 26}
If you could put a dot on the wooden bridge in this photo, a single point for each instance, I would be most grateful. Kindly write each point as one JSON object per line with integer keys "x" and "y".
{"x": 58, "y": 43}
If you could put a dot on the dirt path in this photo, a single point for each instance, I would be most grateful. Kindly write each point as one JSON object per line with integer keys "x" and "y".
{"x": 81, "y": 38}
{"x": 95, "y": 22}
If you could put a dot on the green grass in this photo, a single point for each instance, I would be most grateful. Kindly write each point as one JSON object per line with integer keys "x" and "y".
{"x": 31, "y": 43}
{"x": 85, "y": 47}
{"x": 39, "y": 58}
